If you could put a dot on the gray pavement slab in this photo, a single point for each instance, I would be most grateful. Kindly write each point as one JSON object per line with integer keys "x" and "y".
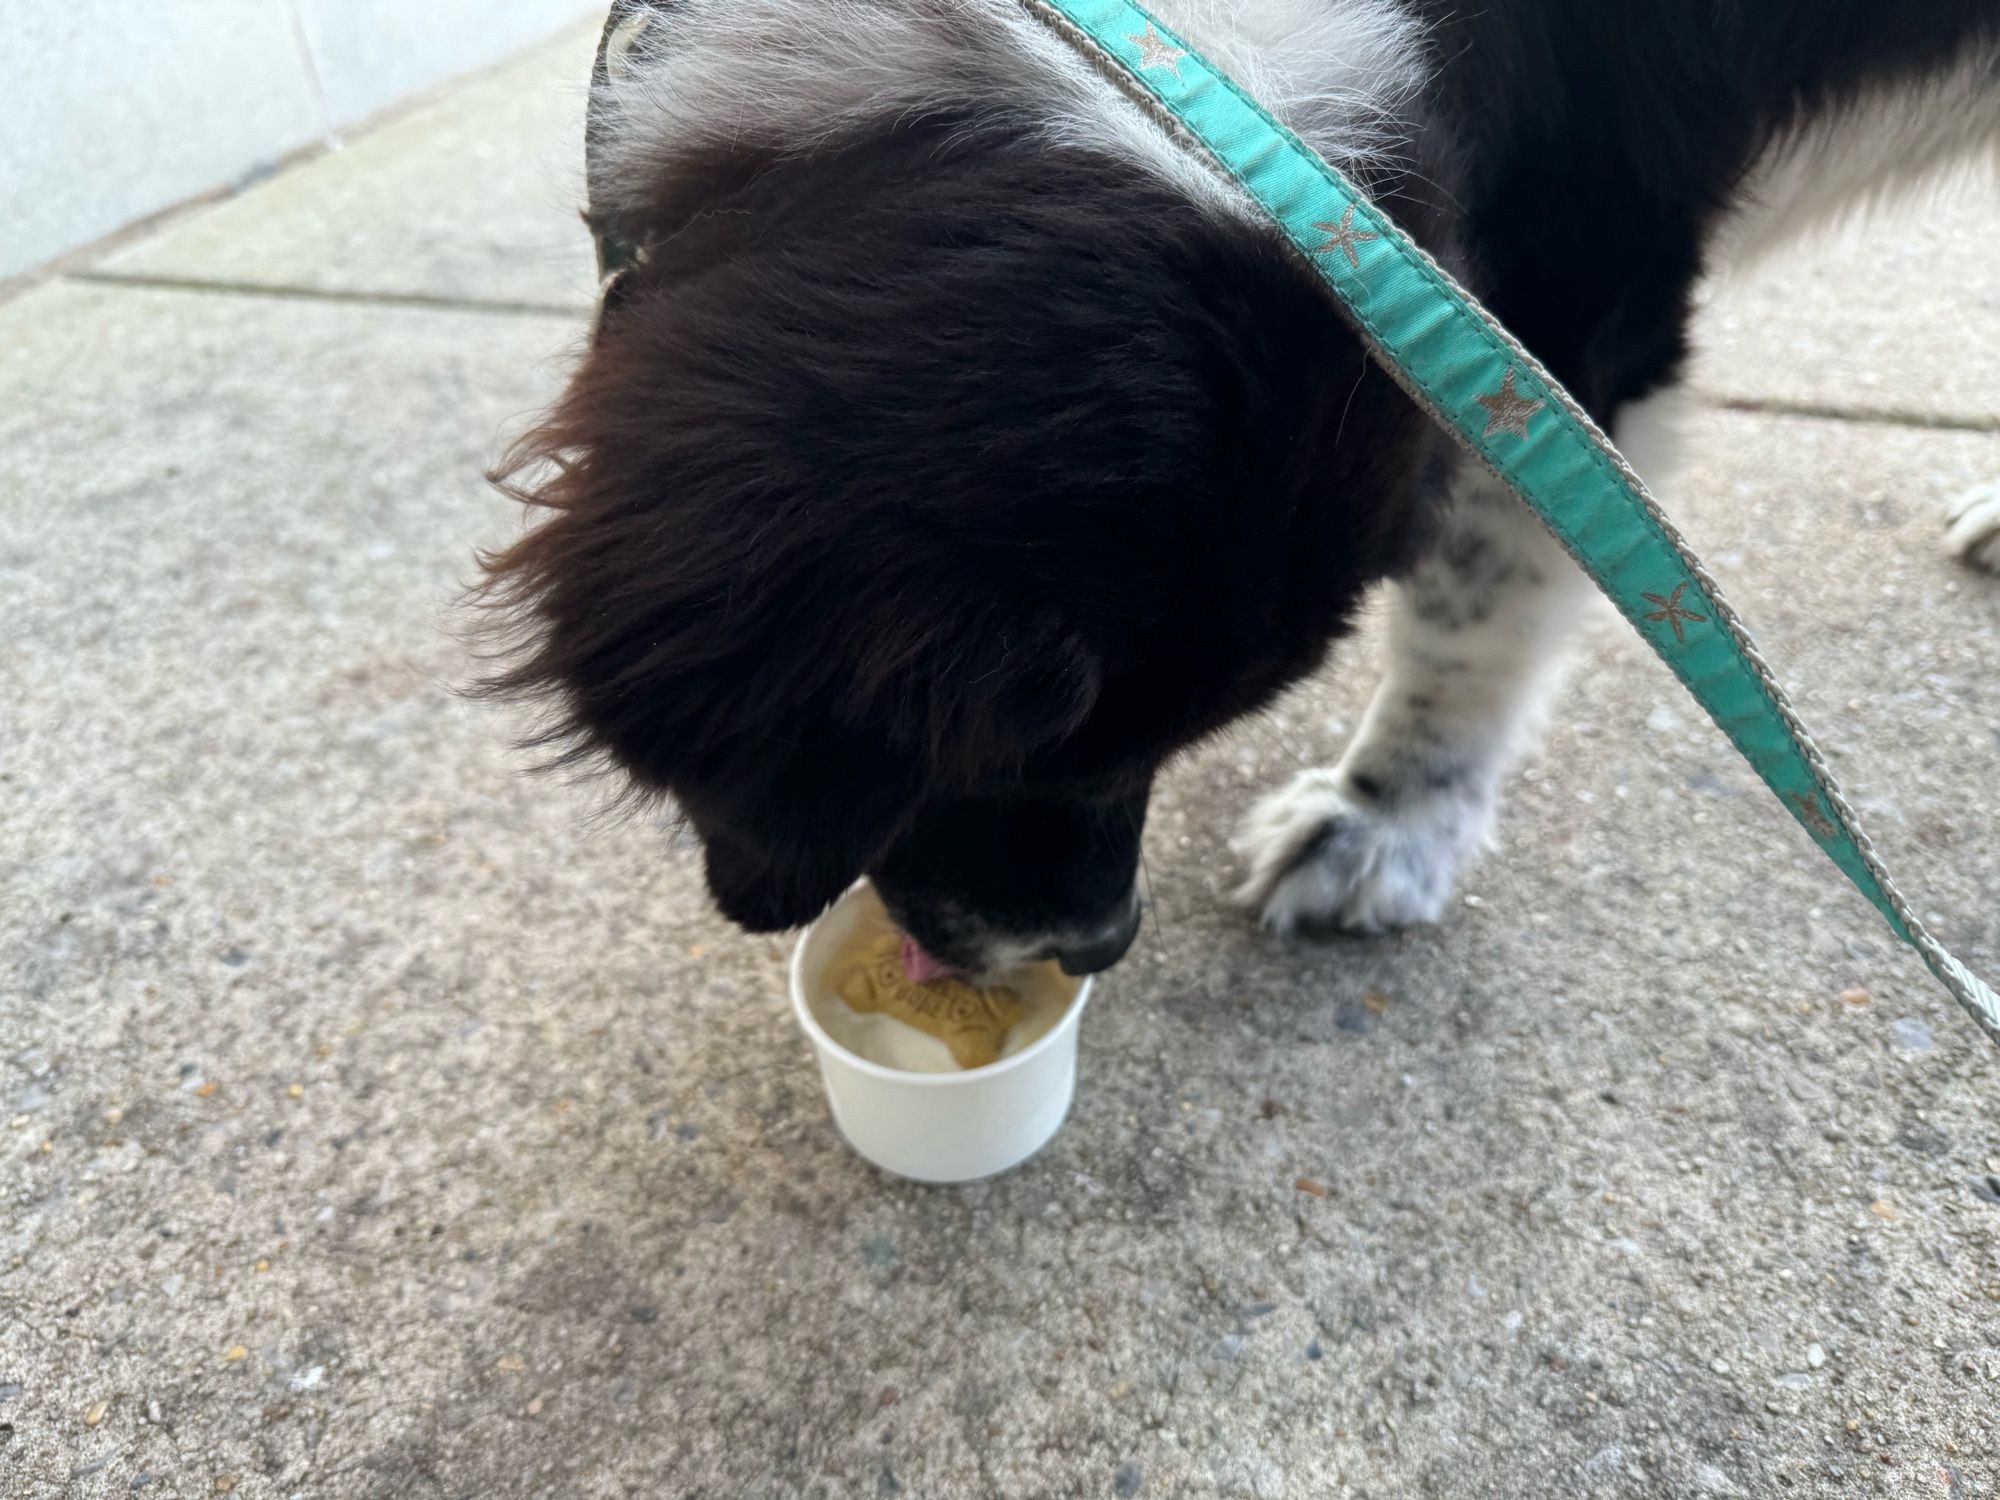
{"x": 473, "y": 196}
{"x": 1891, "y": 314}
{"x": 374, "y": 1124}
{"x": 375, "y": 1127}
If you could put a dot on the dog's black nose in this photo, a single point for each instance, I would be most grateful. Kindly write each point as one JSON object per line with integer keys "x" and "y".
{"x": 1100, "y": 951}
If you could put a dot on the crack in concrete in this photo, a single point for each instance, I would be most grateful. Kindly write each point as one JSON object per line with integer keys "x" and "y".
{"x": 428, "y": 301}
{"x": 1878, "y": 416}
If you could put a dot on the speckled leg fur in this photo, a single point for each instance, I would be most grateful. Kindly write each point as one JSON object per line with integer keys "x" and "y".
{"x": 1476, "y": 637}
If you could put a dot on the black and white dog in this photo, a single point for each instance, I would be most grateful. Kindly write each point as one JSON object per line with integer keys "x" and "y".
{"x": 962, "y": 448}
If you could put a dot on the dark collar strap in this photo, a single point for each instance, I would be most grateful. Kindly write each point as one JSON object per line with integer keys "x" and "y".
{"x": 631, "y": 25}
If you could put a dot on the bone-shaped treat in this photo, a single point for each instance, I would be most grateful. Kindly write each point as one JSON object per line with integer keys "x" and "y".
{"x": 971, "y": 1019}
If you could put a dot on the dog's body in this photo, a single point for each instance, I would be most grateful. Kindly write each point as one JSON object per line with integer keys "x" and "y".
{"x": 962, "y": 447}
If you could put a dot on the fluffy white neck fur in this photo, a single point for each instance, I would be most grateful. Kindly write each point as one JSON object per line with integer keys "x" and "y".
{"x": 799, "y": 75}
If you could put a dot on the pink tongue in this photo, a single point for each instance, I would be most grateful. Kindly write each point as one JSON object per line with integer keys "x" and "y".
{"x": 919, "y": 967}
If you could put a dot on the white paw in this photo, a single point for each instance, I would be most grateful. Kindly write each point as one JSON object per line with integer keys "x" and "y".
{"x": 1319, "y": 855}
{"x": 1975, "y": 528}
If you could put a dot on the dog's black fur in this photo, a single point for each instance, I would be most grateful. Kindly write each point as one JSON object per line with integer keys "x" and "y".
{"x": 1598, "y": 146}
{"x": 921, "y": 495}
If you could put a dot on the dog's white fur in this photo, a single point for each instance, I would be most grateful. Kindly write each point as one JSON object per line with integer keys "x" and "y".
{"x": 1890, "y": 144}
{"x": 1477, "y": 649}
{"x": 1317, "y": 850}
{"x": 799, "y": 76}
{"x": 1893, "y": 146}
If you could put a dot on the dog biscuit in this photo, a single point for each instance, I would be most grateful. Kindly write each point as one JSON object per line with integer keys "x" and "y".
{"x": 971, "y": 1019}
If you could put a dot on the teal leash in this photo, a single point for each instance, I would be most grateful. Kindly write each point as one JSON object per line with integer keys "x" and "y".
{"x": 1510, "y": 414}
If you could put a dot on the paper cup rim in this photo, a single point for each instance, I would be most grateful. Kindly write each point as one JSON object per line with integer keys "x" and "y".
{"x": 965, "y": 1077}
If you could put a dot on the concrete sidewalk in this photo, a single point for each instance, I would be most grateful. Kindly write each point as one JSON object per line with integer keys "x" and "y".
{"x": 376, "y": 1127}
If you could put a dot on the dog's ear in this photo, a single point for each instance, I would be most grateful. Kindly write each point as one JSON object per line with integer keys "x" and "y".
{"x": 760, "y": 896}
{"x": 790, "y": 821}
{"x": 798, "y": 695}
{"x": 784, "y": 838}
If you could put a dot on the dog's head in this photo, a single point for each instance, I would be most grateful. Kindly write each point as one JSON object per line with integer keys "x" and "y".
{"x": 932, "y": 482}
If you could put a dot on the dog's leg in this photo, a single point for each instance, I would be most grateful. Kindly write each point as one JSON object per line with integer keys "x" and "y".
{"x": 1475, "y": 650}
{"x": 1975, "y": 528}
{"x": 1474, "y": 637}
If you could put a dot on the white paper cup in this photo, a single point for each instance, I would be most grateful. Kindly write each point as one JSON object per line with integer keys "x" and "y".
{"x": 936, "y": 1127}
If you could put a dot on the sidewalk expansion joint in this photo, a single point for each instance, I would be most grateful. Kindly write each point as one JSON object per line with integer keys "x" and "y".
{"x": 1884, "y": 416}
{"x": 1879, "y": 416}
{"x": 426, "y": 300}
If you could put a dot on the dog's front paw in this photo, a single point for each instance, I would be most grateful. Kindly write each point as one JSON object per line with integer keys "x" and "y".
{"x": 1321, "y": 855}
{"x": 1975, "y": 528}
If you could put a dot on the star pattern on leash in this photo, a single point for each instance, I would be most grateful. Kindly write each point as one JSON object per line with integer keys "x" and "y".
{"x": 1813, "y": 817}
{"x": 1344, "y": 237}
{"x": 1155, "y": 51}
{"x": 1507, "y": 410}
{"x": 1673, "y": 612}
